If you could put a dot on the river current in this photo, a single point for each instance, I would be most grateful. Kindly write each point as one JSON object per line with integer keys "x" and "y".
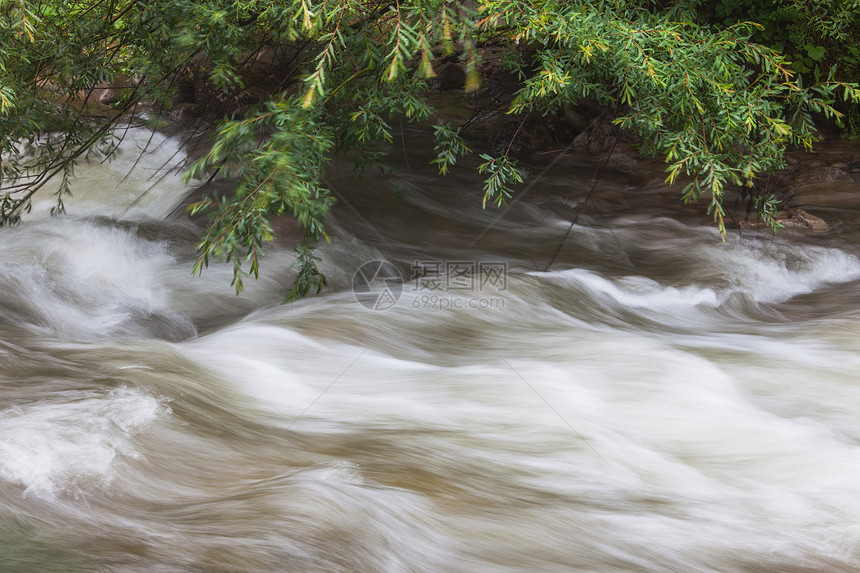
{"x": 488, "y": 393}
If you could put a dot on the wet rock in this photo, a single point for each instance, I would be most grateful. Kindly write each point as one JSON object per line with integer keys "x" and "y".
{"x": 791, "y": 219}
{"x": 108, "y": 93}
{"x": 581, "y": 139}
{"x": 822, "y": 174}
{"x": 577, "y": 121}
{"x": 602, "y": 139}
{"x": 183, "y": 112}
{"x": 267, "y": 56}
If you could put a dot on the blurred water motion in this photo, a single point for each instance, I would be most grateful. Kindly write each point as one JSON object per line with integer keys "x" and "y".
{"x": 655, "y": 401}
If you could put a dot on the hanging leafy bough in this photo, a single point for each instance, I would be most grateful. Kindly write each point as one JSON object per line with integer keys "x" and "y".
{"x": 277, "y": 156}
{"x": 718, "y": 107}
{"x": 360, "y": 75}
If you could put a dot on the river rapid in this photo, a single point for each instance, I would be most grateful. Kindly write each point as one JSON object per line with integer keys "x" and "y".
{"x": 645, "y": 398}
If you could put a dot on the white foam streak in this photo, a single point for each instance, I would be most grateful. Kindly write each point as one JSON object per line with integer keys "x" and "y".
{"x": 636, "y": 291}
{"x": 755, "y": 271}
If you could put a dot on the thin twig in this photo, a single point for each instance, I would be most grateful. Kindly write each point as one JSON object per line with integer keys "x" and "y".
{"x": 594, "y": 182}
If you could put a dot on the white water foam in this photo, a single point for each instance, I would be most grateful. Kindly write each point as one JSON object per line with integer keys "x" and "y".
{"x": 776, "y": 272}
{"x": 71, "y": 444}
{"x": 143, "y": 179}
{"x": 79, "y": 280}
{"x": 322, "y": 436}
{"x": 635, "y": 291}
{"x": 761, "y": 272}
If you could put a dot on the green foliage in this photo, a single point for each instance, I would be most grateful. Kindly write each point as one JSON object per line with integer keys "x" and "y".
{"x": 449, "y": 147}
{"x": 718, "y": 107}
{"x": 501, "y": 173}
{"x": 276, "y": 155}
{"x": 767, "y": 207}
{"x": 718, "y": 97}
{"x": 309, "y": 275}
{"x": 821, "y": 38}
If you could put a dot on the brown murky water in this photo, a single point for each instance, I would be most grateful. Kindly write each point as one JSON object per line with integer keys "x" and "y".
{"x": 656, "y": 400}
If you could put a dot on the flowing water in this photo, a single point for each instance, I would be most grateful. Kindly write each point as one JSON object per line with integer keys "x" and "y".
{"x": 653, "y": 400}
